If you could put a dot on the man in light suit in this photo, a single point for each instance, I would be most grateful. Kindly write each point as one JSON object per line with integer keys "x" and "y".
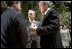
{"x": 13, "y": 30}
{"x": 49, "y": 31}
{"x": 33, "y": 40}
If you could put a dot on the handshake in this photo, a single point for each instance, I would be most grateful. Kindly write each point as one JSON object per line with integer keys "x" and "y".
{"x": 32, "y": 29}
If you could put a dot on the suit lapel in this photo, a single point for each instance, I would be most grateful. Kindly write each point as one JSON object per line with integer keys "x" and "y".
{"x": 46, "y": 16}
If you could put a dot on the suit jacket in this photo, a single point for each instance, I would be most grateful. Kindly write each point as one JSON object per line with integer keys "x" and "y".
{"x": 13, "y": 30}
{"x": 49, "y": 32}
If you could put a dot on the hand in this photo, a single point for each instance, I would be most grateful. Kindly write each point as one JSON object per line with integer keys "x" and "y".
{"x": 33, "y": 29}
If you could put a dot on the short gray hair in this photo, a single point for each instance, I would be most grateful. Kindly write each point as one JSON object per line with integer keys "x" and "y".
{"x": 31, "y": 11}
{"x": 44, "y": 2}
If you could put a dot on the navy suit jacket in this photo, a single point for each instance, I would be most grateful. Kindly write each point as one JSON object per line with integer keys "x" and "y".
{"x": 13, "y": 30}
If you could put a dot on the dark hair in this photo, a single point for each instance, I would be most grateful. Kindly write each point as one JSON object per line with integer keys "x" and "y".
{"x": 10, "y": 3}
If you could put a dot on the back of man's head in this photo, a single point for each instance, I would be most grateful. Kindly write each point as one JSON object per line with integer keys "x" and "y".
{"x": 10, "y": 3}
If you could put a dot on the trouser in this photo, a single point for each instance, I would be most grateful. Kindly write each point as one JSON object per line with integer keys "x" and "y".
{"x": 34, "y": 44}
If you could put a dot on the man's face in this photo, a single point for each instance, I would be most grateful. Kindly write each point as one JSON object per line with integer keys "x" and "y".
{"x": 18, "y": 6}
{"x": 60, "y": 27}
{"x": 42, "y": 8}
{"x": 31, "y": 15}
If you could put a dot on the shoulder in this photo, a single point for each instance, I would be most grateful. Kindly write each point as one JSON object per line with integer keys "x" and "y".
{"x": 5, "y": 15}
{"x": 53, "y": 11}
{"x": 37, "y": 22}
{"x": 27, "y": 22}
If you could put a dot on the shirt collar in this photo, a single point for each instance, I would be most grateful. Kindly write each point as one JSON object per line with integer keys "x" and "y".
{"x": 14, "y": 10}
{"x": 32, "y": 21}
{"x": 46, "y": 11}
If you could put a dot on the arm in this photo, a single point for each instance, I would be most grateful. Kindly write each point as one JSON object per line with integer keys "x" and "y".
{"x": 53, "y": 25}
{"x": 21, "y": 27}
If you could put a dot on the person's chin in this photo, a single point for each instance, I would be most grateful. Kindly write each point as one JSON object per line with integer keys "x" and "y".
{"x": 42, "y": 11}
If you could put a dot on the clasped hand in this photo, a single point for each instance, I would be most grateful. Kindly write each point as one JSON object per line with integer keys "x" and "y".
{"x": 33, "y": 28}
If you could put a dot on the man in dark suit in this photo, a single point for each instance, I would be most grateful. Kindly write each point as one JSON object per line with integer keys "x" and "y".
{"x": 13, "y": 30}
{"x": 49, "y": 31}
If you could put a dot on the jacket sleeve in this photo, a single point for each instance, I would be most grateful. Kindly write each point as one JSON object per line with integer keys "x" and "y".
{"x": 53, "y": 25}
{"x": 21, "y": 27}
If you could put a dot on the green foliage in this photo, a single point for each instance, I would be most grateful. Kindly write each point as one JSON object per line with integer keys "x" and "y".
{"x": 63, "y": 13}
{"x": 3, "y": 4}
